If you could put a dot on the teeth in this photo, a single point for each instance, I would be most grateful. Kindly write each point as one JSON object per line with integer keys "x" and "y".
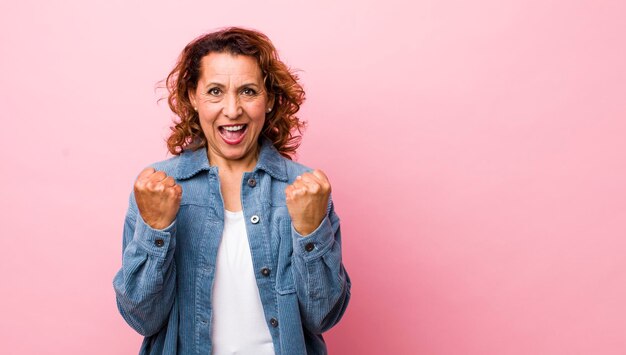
{"x": 233, "y": 128}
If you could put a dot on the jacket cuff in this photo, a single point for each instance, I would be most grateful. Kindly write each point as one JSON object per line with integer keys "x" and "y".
{"x": 314, "y": 245}
{"x": 156, "y": 242}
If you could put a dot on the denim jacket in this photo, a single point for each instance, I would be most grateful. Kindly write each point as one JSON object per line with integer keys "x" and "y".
{"x": 164, "y": 286}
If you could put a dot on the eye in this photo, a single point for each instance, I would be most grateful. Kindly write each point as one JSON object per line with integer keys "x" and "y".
{"x": 248, "y": 92}
{"x": 214, "y": 91}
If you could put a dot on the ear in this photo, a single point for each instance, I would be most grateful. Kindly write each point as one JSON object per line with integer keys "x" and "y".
{"x": 270, "y": 100}
{"x": 192, "y": 97}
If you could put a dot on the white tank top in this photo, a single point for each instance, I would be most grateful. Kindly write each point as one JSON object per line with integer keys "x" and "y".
{"x": 238, "y": 325}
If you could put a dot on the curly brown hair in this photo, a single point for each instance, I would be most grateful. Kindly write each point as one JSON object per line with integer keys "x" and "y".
{"x": 282, "y": 127}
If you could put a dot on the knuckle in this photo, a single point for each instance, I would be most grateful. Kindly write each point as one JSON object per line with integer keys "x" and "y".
{"x": 147, "y": 171}
{"x": 141, "y": 179}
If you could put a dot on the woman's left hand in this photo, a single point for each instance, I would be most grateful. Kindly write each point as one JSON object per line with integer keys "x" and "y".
{"x": 307, "y": 200}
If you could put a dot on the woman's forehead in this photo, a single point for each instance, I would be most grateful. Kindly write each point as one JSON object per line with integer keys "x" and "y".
{"x": 230, "y": 65}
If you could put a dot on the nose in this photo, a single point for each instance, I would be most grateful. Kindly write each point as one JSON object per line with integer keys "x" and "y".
{"x": 232, "y": 108}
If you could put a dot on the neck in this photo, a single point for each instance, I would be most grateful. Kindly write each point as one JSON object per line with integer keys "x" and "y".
{"x": 230, "y": 166}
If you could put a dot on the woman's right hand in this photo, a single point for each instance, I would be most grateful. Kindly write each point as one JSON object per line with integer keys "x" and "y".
{"x": 158, "y": 198}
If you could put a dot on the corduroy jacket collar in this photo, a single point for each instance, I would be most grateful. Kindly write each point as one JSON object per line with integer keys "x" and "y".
{"x": 270, "y": 161}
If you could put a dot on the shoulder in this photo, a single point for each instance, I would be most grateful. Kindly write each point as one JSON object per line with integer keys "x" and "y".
{"x": 294, "y": 169}
{"x": 278, "y": 166}
{"x": 185, "y": 165}
{"x": 168, "y": 166}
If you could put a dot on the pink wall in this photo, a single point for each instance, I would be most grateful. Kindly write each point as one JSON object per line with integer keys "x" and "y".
{"x": 476, "y": 151}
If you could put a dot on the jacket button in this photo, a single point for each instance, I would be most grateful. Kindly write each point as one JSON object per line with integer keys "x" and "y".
{"x": 159, "y": 242}
{"x": 274, "y": 322}
{"x": 254, "y": 219}
{"x": 309, "y": 247}
{"x": 265, "y": 272}
{"x": 251, "y": 182}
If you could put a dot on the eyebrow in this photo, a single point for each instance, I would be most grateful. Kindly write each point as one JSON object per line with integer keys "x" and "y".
{"x": 222, "y": 85}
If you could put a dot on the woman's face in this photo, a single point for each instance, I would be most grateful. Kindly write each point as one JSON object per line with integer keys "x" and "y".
{"x": 231, "y": 102}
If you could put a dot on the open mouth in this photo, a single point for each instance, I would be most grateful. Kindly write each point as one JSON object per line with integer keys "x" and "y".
{"x": 233, "y": 134}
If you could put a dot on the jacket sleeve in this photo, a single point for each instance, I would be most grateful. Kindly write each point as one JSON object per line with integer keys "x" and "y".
{"x": 322, "y": 283}
{"x": 145, "y": 286}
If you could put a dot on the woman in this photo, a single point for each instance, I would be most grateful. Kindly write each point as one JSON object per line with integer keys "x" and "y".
{"x": 230, "y": 246}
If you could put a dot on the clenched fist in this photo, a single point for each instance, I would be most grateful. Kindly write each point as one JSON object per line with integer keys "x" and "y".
{"x": 307, "y": 200}
{"x": 158, "y": 198}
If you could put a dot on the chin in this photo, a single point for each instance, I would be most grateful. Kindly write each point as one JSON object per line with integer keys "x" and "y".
{"x": 235, "y": 152}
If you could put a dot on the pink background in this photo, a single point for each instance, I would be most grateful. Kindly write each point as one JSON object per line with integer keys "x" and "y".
{"x": 476, "y": 150}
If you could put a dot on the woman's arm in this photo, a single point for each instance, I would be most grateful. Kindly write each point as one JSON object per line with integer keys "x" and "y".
{"x": 322, "y": 283}
{"x": 145, "y": 286}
